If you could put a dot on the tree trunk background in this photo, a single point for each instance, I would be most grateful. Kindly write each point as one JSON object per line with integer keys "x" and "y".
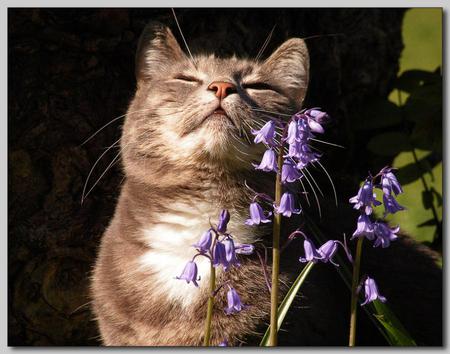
{"x": 72, "y": 70}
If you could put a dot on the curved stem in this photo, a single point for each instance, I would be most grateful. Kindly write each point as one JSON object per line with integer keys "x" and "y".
{"x": 210, "y": 308}
{"x": 273, "y": 338}
{"x": 354, "y": 301}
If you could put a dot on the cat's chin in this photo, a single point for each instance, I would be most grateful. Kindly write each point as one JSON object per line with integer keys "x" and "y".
{"x": 218, "y": 120}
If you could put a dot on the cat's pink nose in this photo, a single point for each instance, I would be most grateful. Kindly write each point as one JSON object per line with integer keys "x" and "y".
{"x": 222, "y": 89}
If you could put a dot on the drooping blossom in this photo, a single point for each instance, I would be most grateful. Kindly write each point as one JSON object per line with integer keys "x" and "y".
{"x": 223, "y": 344}
{"x": 268, "y": 162}
{"x": 204, "y": 244}
{"x": 234, "y": 302}
{"x": 391, "y": 205}
{"x": 389, "y": 182}
{"x": 304, "y": 130}
{"x": 327, "y": 251}
{"x": 219, "y": 255}
{"x": 292, "y": 134}
{"x": 257, "y": 215}
{"x": 244, "y": 248}
{"x": 224, "y": 218}
{"x": 365, "y": 228}
{"x": 190, "y": 273}
{"x": 287, "y": 205}
{"x": 266, "y": 134}
{"x": 288, "y": 172}
{"x": 306, "y": 155}
{"x": 315, "y": 118}
{"x": 365, "y": 198}
{"x": 371, "y": 292}
{"x": 294, "y": 149}
{"x": 230, "y": 252}
{"x": 384, "y": 234}
{"x": 311, "y": 252}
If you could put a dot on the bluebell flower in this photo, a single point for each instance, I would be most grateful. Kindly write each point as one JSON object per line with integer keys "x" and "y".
{"x": 371, "y": 292}
{"x": 295, "y": 149}
{"x": 257, "y": 215}
{"x": 311, "y": 252}
{"x": 204, "y": 244}
{"x": 391, "y": 205}
{"x": 365, "y": 198}
{"x": 304, "y": 130}
{"x": 389, "y": 182}
{"x": 384, "y": 234}
{"x": 365, "y": 228}
{"x": 230, "y": 252}
{"x": 224, "y": 218}
{"x": 288, "y": 172}
{"x": 219, "y": 255}
{"x": 327, "y": 251}
{"x": 190, "y": 273}
{"x": 315, "y": 118}
{"x": 244, "y": 248}
{"x": 223, "y": 344}
{"x": 268, "y": 162}
{"x": 266, "y": 134}
{"x": 234, "y": 302}
{"x": 287, "y": 205}
{"x": 292, "y": 134}
{"x": 306, "y": 155}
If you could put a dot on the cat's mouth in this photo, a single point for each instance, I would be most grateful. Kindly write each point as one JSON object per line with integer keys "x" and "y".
{"x": 219, "y": 115}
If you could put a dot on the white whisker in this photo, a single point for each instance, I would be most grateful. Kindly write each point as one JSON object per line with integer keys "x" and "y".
{"x": 315, "y": 194}
{"x": 266, "y": 42}
{"x": 106, "y": 170}
{"x": 328, "y": 143}
{"x": 331, "y": 181}
{"x": 314, "y": 181}
{"x": 182, "y": 36}
{"x": 83, "y": 196}
{"x": 306, "y": 193}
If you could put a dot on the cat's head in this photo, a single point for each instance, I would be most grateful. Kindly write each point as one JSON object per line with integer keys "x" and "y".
{"x": 199, "y": 111}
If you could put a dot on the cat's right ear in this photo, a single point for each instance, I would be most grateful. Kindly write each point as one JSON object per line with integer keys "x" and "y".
{"x": 157, "y": 49}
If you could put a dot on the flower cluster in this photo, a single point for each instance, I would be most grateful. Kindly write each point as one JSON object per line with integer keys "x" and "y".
{"x": 218, "y": 245}
{"x": 297, "y": 133}
{"x": 378, "y": 232}
{"x": 365, "y": 201}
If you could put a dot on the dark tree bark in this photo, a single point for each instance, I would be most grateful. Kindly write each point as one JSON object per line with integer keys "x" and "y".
{"x": 72, "y": 71}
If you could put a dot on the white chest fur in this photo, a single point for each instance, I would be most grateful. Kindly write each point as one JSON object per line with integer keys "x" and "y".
{"x": 170, "y": 240}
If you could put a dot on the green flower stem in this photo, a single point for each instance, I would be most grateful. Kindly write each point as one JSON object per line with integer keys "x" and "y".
{"x": 354, "y": 300}
{"x": 273, "y": 335}
{"x": 210, "y": 308}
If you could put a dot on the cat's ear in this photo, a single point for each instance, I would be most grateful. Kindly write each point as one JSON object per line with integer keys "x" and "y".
{"x": 157, "y": 50}
{"x": 289, "y": 67}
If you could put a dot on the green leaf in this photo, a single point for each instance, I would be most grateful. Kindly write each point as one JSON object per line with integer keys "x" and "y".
{"x": 413, "y": 220}
{"x": 287, "y": 301}
{"x": 394, "y": 329}
{"x": 429, "y": 222}
{"x": 427, "y": 199}
{"x": 411, "y": 80}
{"x": 389, "y": 144}
{"x": 409, "y": 172}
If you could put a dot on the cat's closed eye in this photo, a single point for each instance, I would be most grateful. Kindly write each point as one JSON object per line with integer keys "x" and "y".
{"x": 187, "y": 78}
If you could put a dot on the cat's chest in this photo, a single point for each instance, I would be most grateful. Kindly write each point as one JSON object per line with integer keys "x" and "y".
{"x": 170, "y": 238}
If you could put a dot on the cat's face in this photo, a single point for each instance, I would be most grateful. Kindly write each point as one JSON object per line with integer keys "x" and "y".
{"x": 201, "y": 111}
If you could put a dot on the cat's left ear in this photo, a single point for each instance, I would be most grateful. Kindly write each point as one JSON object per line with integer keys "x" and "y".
{"x": 289, "y": 66}
{"x": 157, "y": 51}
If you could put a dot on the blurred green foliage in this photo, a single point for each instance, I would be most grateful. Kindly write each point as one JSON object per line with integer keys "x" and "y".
{"x": 412, "y": 127}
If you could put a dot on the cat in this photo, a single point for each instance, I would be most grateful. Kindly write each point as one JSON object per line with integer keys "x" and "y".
{"x": 187, "y": 153}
